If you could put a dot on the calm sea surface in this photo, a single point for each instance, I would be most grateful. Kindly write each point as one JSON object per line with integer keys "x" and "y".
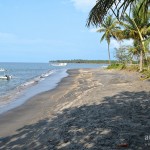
{"x": 29, "y": 79}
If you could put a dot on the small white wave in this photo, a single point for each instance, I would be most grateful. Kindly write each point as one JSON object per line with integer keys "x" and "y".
{"x": 28, "y": 83}
{"x": 5, "y": 100}
{"x": 47, "y": 73}
{"x": 37, "y": 79}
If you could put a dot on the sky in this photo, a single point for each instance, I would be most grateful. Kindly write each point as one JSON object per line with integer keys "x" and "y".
{"x": 44, "y": 30}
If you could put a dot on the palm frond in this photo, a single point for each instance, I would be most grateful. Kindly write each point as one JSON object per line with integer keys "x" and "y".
{"x": 101, "y": 30}
{"x": 144, "y": 5}
{"x": 98, "y": 12}
{"x": 103, "y": 37}
{"x": 102, "y": 7}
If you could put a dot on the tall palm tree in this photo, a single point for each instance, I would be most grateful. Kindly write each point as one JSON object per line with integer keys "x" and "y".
{"x": 109, "y": 27}
{"x": 118, "y": 7}
{"x": 136, "y": 27}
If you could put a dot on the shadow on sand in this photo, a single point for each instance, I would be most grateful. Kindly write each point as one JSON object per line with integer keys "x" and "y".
{"x": 120, "y": 122}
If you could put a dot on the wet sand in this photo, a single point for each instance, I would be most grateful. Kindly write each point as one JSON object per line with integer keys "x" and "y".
{"x": 89, "y": 109}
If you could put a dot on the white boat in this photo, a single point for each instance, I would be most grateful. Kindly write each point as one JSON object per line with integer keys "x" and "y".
{"x": 4, "y": 76}
{"x": 59, "y": 64}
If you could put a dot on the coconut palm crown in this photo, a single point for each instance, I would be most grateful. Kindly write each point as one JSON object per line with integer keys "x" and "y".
{"x": 118, "y": 7}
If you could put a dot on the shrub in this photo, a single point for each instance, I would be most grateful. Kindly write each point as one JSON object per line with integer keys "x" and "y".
{"x": 118, "y": 66}
{"x": 132, "y": 67}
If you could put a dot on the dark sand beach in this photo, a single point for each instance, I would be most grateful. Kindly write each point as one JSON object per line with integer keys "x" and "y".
{"x": 92, "y": 109}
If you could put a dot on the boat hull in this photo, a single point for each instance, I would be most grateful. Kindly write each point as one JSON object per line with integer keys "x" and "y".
{"x": 59, "y": 64}
{"x": 5, "y": 77}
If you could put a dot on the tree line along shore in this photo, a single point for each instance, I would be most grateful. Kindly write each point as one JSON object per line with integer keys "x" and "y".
{"x": 82, "y": 61}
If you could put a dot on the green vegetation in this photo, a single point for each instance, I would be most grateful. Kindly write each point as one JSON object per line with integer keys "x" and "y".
{"x": 136, "y": 27}
{"x": 123, "y": 55}
{"x": 121, "y": 66}
{"x": 132, "y": 25}
{"x": 109, "y": 27}
{"x": 146, "y": 74}
{"x": 83, "y": 61}
{"x": 116, "y": 66}
{"x": 104, "y": 7}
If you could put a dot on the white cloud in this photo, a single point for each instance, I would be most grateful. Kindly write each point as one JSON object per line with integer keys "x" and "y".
{"x": 83, "y": 5}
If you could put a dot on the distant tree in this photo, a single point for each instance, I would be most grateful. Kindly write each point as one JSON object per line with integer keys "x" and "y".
{"x": 123, "y": 55}
{"x": 134, "y": 51}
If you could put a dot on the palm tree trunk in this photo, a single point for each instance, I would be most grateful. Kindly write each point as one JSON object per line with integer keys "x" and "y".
{"x": 141, "y": 61}
{"x": 109, "y": 54}
{"x": 143, "y": 46}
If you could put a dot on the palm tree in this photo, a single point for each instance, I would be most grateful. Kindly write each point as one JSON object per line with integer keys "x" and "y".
{"x": 109, "y": 28}
{"x": 137, "y": 28}
{"x": 118, "y": 7}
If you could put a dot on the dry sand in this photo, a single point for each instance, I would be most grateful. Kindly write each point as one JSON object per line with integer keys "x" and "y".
{"x": 92, "y": 109}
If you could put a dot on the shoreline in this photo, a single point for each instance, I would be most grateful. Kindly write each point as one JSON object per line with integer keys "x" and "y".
{"x": 89, "y": 109}
{"x": 21, "y": 94}
{"x": 8, "y": 116}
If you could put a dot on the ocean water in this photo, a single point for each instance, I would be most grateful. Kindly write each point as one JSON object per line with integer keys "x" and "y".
{"x": 29, "y": 79}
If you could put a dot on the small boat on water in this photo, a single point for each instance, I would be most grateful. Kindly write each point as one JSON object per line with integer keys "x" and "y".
{"x": 59, "y": 64}
{"x": 4, "y": 76}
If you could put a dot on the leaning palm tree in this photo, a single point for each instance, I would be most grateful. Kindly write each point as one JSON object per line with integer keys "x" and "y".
{"x": 118, "y": 7}
{"x": 109, "y": 27}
